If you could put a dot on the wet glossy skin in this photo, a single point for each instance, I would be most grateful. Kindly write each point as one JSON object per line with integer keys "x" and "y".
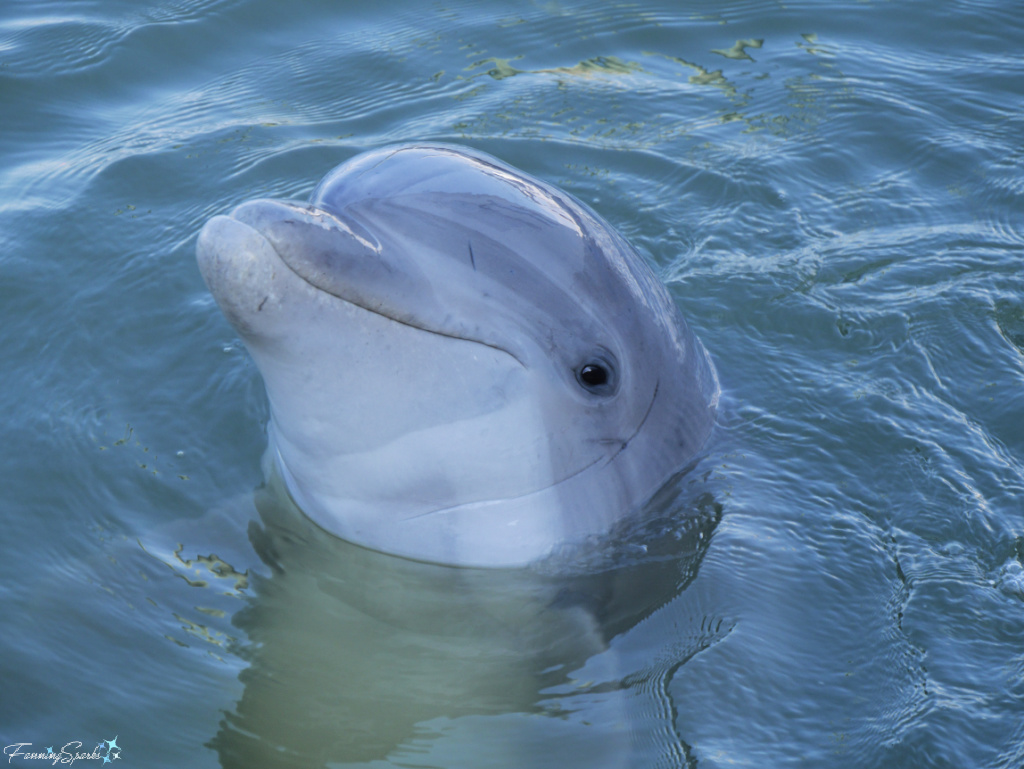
{"x": 464, "y": 364}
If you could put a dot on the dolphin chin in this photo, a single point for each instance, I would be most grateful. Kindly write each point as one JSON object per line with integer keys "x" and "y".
{"x": 464, "y": 364}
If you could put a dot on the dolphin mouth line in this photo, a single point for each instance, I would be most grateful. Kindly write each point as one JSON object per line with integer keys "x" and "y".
{"x": 639, "y": 427}
{"x": 377, "y": 311}
{"x": 499, "y": 500}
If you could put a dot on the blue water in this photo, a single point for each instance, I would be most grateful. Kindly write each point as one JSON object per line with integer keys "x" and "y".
{"x": 834, "y": 193}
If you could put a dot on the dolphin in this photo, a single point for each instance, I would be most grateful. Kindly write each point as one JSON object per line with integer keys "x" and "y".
{"x": 464, "y": 364}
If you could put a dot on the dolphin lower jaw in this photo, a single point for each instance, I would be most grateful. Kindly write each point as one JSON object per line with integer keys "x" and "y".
{"x": 487, "y": 533}
{"x": 474, "y": 527}
{"x": 240, "y": 268}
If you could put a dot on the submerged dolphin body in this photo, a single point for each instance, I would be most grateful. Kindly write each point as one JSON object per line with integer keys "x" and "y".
{"x": 464, "y": 364}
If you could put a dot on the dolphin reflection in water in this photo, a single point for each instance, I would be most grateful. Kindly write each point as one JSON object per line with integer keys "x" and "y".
{"x": 354, "y": 656}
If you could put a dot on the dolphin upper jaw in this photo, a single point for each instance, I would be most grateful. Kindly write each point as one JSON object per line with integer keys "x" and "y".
{"x": 242, "y": 254}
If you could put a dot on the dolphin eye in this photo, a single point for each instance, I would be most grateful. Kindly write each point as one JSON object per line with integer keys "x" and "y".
{"x": 597, "y": 376}
{"x": 594, "y": 375}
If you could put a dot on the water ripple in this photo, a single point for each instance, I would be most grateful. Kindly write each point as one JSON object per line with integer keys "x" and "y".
{"x": 834, "y": 198}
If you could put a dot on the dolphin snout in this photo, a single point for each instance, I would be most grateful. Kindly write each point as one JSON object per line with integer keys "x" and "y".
{"x": 243, "y": 272}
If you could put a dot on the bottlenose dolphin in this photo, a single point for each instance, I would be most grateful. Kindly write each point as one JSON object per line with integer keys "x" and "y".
{"x": 464, "y": 364}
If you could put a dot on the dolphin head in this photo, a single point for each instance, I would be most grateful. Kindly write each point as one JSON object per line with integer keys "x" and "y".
{"x": 464, "y": 364}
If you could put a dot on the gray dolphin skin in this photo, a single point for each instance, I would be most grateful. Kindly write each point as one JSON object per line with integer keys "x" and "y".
{"x": 464, "y": 364}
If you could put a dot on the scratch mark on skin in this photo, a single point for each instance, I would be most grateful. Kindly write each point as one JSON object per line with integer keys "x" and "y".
{"x": 472, "y": 259}
{"x": 260, "y": 308}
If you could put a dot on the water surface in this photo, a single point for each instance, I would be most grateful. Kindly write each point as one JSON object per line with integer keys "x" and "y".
{"x": 832, "y": 191}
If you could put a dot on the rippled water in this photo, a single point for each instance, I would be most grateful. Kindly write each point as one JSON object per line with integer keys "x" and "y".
{"x": 834, "y": 193}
